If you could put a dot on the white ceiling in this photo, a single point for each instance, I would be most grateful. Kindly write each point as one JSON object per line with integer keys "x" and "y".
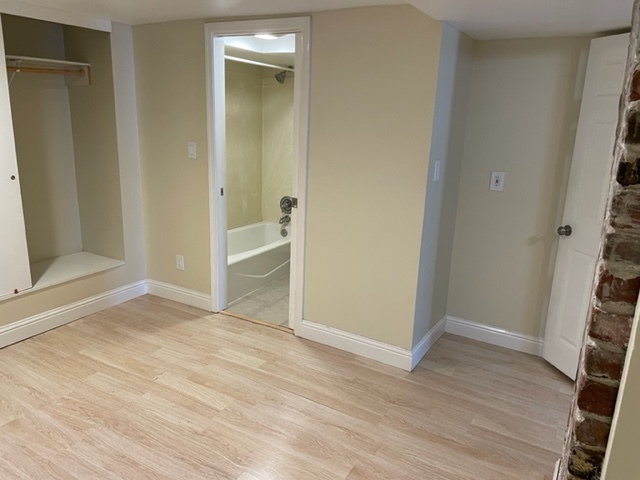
{"x": 482, "y": 19}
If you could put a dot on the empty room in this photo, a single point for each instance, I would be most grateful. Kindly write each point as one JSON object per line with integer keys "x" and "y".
{"x": 349, "y": 239}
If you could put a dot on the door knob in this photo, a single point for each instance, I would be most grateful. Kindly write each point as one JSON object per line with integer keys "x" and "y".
{"x": 564, "y": 230}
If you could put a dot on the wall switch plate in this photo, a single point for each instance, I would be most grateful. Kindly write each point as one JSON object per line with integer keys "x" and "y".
{"x": 436, "y": 171}
{"x": 191, "y": 150}
{"x": 180, "y": 262}
{"x": 497, "y": 181}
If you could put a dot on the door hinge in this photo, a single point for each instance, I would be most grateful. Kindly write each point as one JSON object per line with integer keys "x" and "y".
{"x": 222, "y": 191}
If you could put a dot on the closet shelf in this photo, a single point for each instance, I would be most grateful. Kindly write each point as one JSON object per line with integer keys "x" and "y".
{"x": 75, "y": 73}
{"x": 58, "y": 270}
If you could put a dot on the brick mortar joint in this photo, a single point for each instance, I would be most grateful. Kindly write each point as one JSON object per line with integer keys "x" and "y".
{"x": 615, "y": 308}
{"x": 603, "y": 381}
{"x": 588, "y": 448}
{"x": 620, "y": 269}
{"x": 630, "y": 234}
{"x": 607, "y": 346}
{"x": 583, "y": 414}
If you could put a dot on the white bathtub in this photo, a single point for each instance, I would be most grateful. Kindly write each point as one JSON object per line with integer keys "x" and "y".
{"x": 256, "y": 256}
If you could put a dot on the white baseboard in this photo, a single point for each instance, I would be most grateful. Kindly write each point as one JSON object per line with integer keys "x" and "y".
{"x": 180, "y": 295}
{"x": 556, "y": 471}
{"x": 36, "y": 324}
{"x": 494, "y": 336}
{"x": 421, "y": 349}
{"x": 369, "y": 348}
{"x": 350, "y": 342}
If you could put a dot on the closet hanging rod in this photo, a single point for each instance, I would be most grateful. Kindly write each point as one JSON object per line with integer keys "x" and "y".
{"x": 74, "y": 73}
{"x": 260, "y": 64}
{"x": 49, "y": 71}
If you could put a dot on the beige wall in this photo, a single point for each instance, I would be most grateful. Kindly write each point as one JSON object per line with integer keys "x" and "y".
{"x": 44, "y": 143}
{"x": 373, "y": 85}
{"x": 172, "y": 109}
{"x": 95, "y": 143}
{"x": 522, "y": 117}
{"x": 32, "y": 38}
{"x": 277, "y": 149}
{"x": 454, "y": 82}
{"x": 243, "y": 97}
{"x": 621, "y": 462}
{"x": 29, "y": 304}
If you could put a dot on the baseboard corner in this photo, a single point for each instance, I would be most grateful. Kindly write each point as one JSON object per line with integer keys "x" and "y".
{"x": 357, "y": 344}
{"x": 180, "y": 294}
{"x": 494, "y": 335}
{"x": 424, "y": 345}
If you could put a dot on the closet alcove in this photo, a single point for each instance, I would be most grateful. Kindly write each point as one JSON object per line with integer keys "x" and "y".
{"x": 60, "y": 87}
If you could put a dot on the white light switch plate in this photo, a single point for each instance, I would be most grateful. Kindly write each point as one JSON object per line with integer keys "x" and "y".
{"x": 497, "y": 181}
{"x": 436, "y": 171}
{"x": 191, "y": 150}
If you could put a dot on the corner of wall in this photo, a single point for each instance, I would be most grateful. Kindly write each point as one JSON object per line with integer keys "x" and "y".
{"x": 445, "y": 160}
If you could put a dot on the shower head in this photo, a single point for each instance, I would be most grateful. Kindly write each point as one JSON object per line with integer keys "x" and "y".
{"x": 280, "y": 77}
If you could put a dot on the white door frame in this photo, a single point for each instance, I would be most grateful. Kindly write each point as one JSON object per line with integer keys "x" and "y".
{"x": 214, "y": 45}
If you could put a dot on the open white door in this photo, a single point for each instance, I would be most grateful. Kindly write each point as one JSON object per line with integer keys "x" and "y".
{"x": 585, "y": 203}
{"x": 14, "y": 256}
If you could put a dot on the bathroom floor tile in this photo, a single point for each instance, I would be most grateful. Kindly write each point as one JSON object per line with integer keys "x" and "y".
{"x": 268, "y": 304}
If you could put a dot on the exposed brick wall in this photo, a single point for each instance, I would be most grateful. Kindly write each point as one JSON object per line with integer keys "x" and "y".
{"x": 615, "y": 291}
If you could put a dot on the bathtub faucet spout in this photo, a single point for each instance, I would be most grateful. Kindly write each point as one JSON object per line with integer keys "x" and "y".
{"x": 285, "y": 220}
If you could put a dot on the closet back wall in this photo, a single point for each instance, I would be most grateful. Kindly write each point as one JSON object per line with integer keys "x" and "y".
{"x": 95, "y": 143}
{"x": 43, "y": 135}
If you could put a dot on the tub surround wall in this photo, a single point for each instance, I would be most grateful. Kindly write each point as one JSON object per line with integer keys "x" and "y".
{"x": 277, "y": 147}
{"x": 259, "y": 143}
{"x": 244, "y": 120}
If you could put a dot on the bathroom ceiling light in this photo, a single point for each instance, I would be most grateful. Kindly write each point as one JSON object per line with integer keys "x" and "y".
{"x": 266, "y": 36}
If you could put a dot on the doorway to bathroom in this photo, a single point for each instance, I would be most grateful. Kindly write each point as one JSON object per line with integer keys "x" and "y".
{"x": 257, "y": 73}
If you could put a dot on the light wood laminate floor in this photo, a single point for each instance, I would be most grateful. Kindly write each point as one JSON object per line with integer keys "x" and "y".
{"x": 155, "y": 390}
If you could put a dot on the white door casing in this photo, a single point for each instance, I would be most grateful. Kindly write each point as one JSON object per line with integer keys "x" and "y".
{"x": 15, "y": 274}
{"x": 585, "y": 203}
{"x": 214, "y": 43}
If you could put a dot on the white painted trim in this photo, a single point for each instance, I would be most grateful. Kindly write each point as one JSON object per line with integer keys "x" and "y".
{"x": 40, "y": 323}
{"x": 556, "y": 470}
{"x": 179, "y": 294}
{"x": 350, "y": 342}
{"x": 216, "y": 135}
{"x": 494, "y": 335}
{"x": 38, "y": 12}
{"x": 428, "y": 341}
{"x": 214, "y": 48}
{"x": 369, "y": 348}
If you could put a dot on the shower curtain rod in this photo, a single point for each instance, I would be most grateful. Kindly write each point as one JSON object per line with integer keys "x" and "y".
{"x": 260, "y": 64}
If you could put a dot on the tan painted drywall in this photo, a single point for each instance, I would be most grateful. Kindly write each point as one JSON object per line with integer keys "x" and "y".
{"x": 373, "y": 85}
{"x": 621, "y": 461}
{"x": 44, "y": 143}
{"x": 29, "y": 304}
{"x": 243, "y": 103}
{"x": 32, "y": 38}
{"x": 277, "y": 149}
{"x": 524, "y": 107}
{"x": 454, "y": 75}
{"x": 172, "y": 110}
{"x": 93, "y": 119}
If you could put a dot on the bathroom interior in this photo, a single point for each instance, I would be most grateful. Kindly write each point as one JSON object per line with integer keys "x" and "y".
{"x": 259, "y": 94}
